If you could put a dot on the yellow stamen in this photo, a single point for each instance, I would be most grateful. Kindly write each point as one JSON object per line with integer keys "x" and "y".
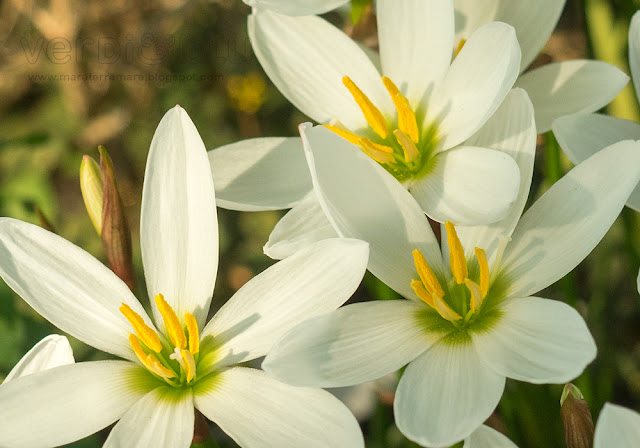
{"x": 176, "y": 333}
{"x": 146, "y": 334}
{"x": 456, "y": 254}
{"x": 422, "y": 293}
{"x": 155, "y": 367}
{"x": 189, "y": 364}
{"x": 427, "y": 276}
{"x": 410, "y": 149}
{"x": 476, "y": 295}
{"x": 349, "y": 136}
{"x": 371, "y": 113}
{"x": 137, "y": 349}
{"x": 194, "y": 333}
{"x": 445, "y": 310}
{"x": 459, "y": 47}
{"x": 406, "y": 117}
{"x": 481, "y": 255}
{"x": 378, "y": 153}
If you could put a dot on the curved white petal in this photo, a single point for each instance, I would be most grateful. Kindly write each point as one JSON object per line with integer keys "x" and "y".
{"x": 511, "y": 130}
{"x": 258, "y": 411}
{"x": 297, "y": 7}
{"x": 178, "y": 223}
{"x": 569, "y": 87}
{"x": 162, "y": 418}
{"x": 617, "y": 427}
{"x": 354, "y": 344}
{"x": 60, "y": 405}
{"x": 634, "y": 51}
{"x": 267, "y": 173}
{"x": 364, "y": 201}
{"x": 486, "y": 437}
{"x": 416, "y": 43}
{"x": 445, "y": 394}
{"x": 471, "y": 15}
{"x": 306, "y": 58}
{"x": 52, "y": 351}
{"x": 316, "y": 280}
{"x": 566, "y": 223}
{"x": 67, "y": 286}
{"x": 468, "y": 185}
{"x": 302, "y": 226}
{"x": 477, "y": 81}
{"x": 538, "y": 341}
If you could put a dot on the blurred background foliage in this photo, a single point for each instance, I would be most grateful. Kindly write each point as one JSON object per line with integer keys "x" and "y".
{"x": 75, "y": 75}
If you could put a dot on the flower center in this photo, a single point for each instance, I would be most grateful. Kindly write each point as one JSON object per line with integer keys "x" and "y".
{"x": 463, "y": 299}
{"x": 179, "y": 367}
{"x": 405, "y": 151}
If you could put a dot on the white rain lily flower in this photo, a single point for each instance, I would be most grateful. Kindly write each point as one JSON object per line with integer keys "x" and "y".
{"x": 617, "y": 427}
{"x": 52, "y": 351}
{"x": 297, "y": 7}
{"x": 470, "y": 320}
{"x": 411, "y": 115}
{"x": 167, "y": 371}
{"x": 582, "y": 135}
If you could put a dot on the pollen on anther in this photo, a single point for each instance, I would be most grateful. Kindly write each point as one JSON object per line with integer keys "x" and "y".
{"x": 146, "y": 334}
{"x": 456, "y": 254}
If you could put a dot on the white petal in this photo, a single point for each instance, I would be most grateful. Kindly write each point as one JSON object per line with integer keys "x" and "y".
{"x": 617, "y": 427}
{"x": 486, "y": 437}
{"x": 258, "y": 411}
{"x": 268, "y": 173}
{"x": 302, "y": 226}
{"x": 306, "y": 58}
{"x": 566, "y": 223}
{"x": 314, "y": 281}
{"x": 354, "y": 344}
{"x": 471, "y": 15}
{"x": 477, "y": 81}
{"x": 64, "y": 404}
{"x": 162, "y": 418}
{"x": 416, "y": 43}
{"x": 511, "y": 130}
{"x": 568, "y": 87}
{"x": 298, "y": 7}
{"x": 634, "y": 51}
{"x": 67, "y": 286}
{"x": 52, "y": 351}
{"x": 445, "y": 394}
{"x": 468, "y": 185}
{"x": 364, "y": 201}
{"x": 178, "y": 223}
{"x": 538, "y": 341}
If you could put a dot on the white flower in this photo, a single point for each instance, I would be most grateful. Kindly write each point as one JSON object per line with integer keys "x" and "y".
{"x": 617, "y": 427}
{"x": 297, "y": 7}
{"x": 52, "y": 351}
{"x": 167, "y": 371}
{"x": 470, "y": 320}
{"x": 414, "y": 120}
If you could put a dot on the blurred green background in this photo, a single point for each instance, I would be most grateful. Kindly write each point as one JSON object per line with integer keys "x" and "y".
{"x": 131, "y": 61}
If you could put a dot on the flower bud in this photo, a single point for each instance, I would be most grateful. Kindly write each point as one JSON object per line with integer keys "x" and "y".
{"x": 91, "y": 187}
{"x": 576, "y": 417}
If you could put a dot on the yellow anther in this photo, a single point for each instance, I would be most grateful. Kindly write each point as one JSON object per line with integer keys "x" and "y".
{"x": 407, "y": 122}
{"x": 422, "y": 293}
{"x": 456, "y": 254}
{"x": 137, "y": 349}
{"x": 371, "y": 113}
{"x": 189, "y": 364}
{"x": 174, "y": 328}
{"x": 349, "y": 136}
{"x": 410, "y": 149}
{"x": 476, "y": 295}
{"x": 379, "y": 153}
{"x": 155, "y": 367}
{"x": 445, "y": 310}
{"x": 429, "y": 279}
{"x": 194, "y": 333}
{"x": 481, "y": 255}
{"x": 146, "y": 334}
{"x": 459, "y": 47}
